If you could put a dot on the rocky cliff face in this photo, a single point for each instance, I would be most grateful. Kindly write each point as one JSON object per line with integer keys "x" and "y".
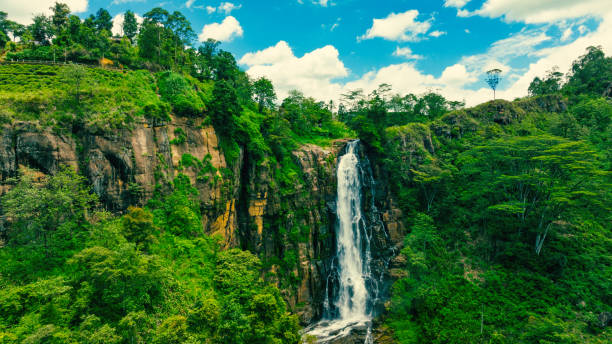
{"x": 292, "y": 231}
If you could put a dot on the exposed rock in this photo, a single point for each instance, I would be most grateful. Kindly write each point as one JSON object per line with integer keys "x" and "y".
{"x": 240, "y": 203}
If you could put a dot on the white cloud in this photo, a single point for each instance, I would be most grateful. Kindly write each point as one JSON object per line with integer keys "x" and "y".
{"x": 117, "y": 29}
{"x": 464, "y": 13}
{"x": 437, "y": 33}
{"x": 467, "y": 30}
{"x": 455, "y": 3}
{"x": 23, "y": 11}
{"x": 314, "y": 73}
{"x": 567, "y": 34}
{"x": 189, "y": 3}
{"x": 543, "y": 11}
{"x": 269, "y": 56}
{"x": 462, "y": 80}
{"x": 405, "y": 78}
{"x": 225, "y": 31}
{"x": 228, "y": 7}
{"x": 406, "y": 53}
{"x": 401, "y": 27}
{"x": 563, "y": 56}
{"x": 321, "y": 2}
{"x": 224, "y": 7}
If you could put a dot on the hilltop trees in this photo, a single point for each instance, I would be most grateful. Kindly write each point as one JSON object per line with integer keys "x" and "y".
{"x": 263, "y": 90}
{"x": 550, "y": 84}
{"x": 493, "y": 78}
{"x": 162, "y": 41}
{"x": 590, "y": 74}
{"x": 59, "y": 19}
{"x": 130, "y": 25}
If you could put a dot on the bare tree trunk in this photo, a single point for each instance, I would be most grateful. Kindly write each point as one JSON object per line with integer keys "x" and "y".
{"x": 540, "y": 240}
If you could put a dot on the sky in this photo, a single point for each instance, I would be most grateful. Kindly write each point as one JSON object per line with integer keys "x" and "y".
{"x": 325, "y": 48}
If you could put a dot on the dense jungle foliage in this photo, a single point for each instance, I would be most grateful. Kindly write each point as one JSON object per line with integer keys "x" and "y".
{"x": 73, "y": 273}
{"x": 508, "y": 203}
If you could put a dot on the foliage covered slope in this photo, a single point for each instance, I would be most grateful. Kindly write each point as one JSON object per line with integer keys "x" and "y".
{"x": 509, "y": 206}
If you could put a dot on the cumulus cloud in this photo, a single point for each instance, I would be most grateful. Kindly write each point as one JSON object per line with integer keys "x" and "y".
{"x": 117, "y": 29}
{"x": 455, "y": 3}
{"x": 406, "y": 53}
{"x": 406, "y": 78}
{"x": 314, "y": 73}
{"x": 437, "y": 33}
{"x": 224, "y": 7}
{"x": 542, "y": 11}
{"x": 401, "y": 27}
{"x": 563, "y": 56}
{"x": 462, "y": 80}
{"x": 225, "y": 31}
{"x": 189, "y": 3}
{"x": 23, "y": 11}
{"x": 228, "y": 7}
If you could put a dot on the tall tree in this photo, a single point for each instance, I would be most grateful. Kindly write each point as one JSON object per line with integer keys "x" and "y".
{"x": 550, "y": 84}
{"x": 264, "y": 93}
{"x": 183, "y": 33}
{"x": 103, "y": 20}
{"x": 59, "y": 19}
{"x": 224, "y": 108}
{"x": 153, "y": 30}
{"x": 493, "y": 78}
{"x": 130, "y": 25}
{"x": 4, "y": 29}
{"x": 590, "y": 74}
{"x": 41, "y": 29}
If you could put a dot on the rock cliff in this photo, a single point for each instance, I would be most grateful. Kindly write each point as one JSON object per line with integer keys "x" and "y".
{"x": 292, "y": 229}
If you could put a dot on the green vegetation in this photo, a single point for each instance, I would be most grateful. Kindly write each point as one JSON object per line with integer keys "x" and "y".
{"x": 508, "y": 203}
{"x": 146, "y": 277}
{"x": 508, "y": 206}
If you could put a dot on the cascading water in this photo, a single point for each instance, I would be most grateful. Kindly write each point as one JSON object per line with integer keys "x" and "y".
{"x": 350, "y": 307}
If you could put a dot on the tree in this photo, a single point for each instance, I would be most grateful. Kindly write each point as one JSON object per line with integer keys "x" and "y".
{"x": 549, "y": 85}
{"x": 4, "y": 29}
{"x": 493, "y": 78}
{"x": 183, "y": 33}
{"x": 264, "y": 93}
{"x": 138, "y": 226}
{"x": 75, "y": 75}
{"x": 224, "y": 108}
{"x": 590, "y": 74}
{"x": 224, "y": 66}
{"x": 130, "y": 25}
{"x": 103, "y": 20}
{"x": 153, "y": 35}
{"x": 157, "y": 15}
{"x": 41, "y": 29}
{"x": 37, "y": 206}
{"x": 59, "y": 19}
{"x": 17, "y": 30}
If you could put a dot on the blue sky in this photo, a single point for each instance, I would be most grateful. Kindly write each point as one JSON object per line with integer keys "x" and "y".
{"x": 326, "y": 47}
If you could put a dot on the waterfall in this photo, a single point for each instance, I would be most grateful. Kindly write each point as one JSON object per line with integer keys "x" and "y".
{"x": 353, "y": 269}
{"x": 348, "y": 304}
